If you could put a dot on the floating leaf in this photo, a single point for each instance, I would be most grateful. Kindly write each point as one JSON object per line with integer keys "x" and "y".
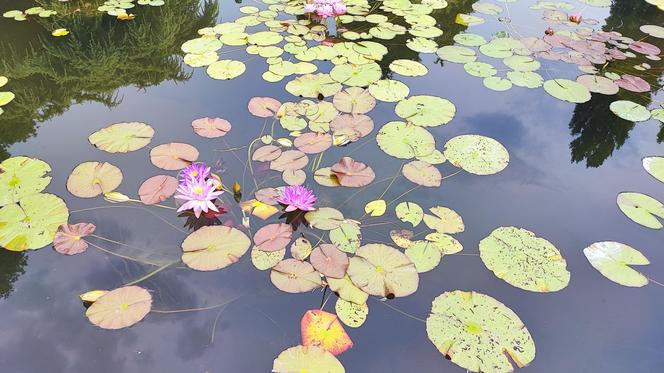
{"x": 69, "y": 240}
{"x": 352, "y": 126}
{"x": 422, "y": 173}
{"x": 347, "y": 237}
{"x": 120, "y": 308}
{"x": 408, "y": 68}
{"x": 266, "y": 153}
{"x": 653, "y": 30}
{"x": 376, "y": 208}
{"x": 306, "y": 359}
{"x": 329, "y": 260}
{"x": 655, "y": 167}
{"x": 211, "y": 127}
{"x": 90, "y": 179}
{"x": 313, "y": 142}
{"x": 426, "y": 111}
{"x": 290, "y": 160}
{"x": 630, "y": 111}
{"x": 264, "y": 260}
{"x": 347, "y": 290}
{"x": 633, "y": 83}
{"x": 264, "y": 107}
{"x": 324, "y": 218}
{"x": 478, "y": 333}
{"x": 409, "y": 212}
{"x": 613, "y": 260}
{"x": 480, "y": 69}
{"x": 122, "y": 137}
{"x": 258, "y": 209}
{"x": 457, "y": 54}
{"x": 598, "y": 84}
{"x": 642, "y": 209}
{"x": 157, "y": 189}
{"x": 405, "y": 141}
{"x": 32, "y": 222}
{"x": 567, "y": 90}
{"x": 351, "y": 314}
{"x": 214, "y": 247}
{"x": 323, "y": 329}
{"x": 351, "y": 173}
{"x": 445, "y": 220}
{"x": 476, "y": 154}
{"x": 92, "y": 295}
{"x": 497, "y": 83}
{"x": 313, "y": 86}
{"x": 444, "y": 242}
{"x": 273, "y": 237}
{"x": 21, "y": 177}
{"x": 383, "y": 271}
{"x": 524, "y": 260}
{"x": 389, "y": 90}
{"x": 354, "y": 100}
{"x": 173, "y": 156}
{"x": 301, "y": 249}
{"x": 325, "y": 177}
{"x": 226, "y": 69}
{"x": 294, "y": 276}
{"x": 424, "y": 255}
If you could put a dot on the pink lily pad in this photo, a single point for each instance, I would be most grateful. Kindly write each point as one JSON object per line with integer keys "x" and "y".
{"x": 157, "y": 189}
{"x": 354, "y": 100}
{"x": 268, "y": 195}
{"x": 294, "y": 276}
{"x": 173, "y": 156}
{"x": 598, "y": 84}
{"x": 313, "y": 142}
{"x": 352, "y": 174}
{"x": 633, "y": 83}
{"x": 352, "y": 125}
{"x": 645, "y": 48}
{"x": 329, "y": 260}
{"x": 69, "y": 238}
{"x": 263, "y": 107}
{"x": 290, "y": 160}
{"x": 422, "y": 173}
{"x": 120, "y": 308}
{"x": 211, "y": 127}
{"x": 266, "y": 153}
{"x": 273, "y": 237}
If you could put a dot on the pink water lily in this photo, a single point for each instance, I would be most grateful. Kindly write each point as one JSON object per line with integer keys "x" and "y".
{"x": 325, "y": 8}
{"x": 199, "y": 195}
{"x": 195, "y": 171}
{"x": 297, "y": 197}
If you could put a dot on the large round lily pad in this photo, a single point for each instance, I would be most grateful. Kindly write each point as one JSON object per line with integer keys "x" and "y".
{"x": 405, "y": 141}
{"x": 214, "y": 247}
{"x": 630, "y": 111}
{"x": 477, "y": 154}
{"x": 642, "y": 209}
{"x": 567, "y": 90}
{"x": 226, "y": 69}
{"x": 383, "y": 271}
{"x": 356, "y": 75}
{"x": 120, "y": 308}
{"x": 426, "y": 111}
{"x": 173, "y": 156}
{"x": 21, "y": 177}
{"x": 294, "y": 276}
{"x": 524, "y": 260}
{"x": 32, "y": 222}
{"x": 306, "y": 359}
{"x": 613, "y": 260}
{"x": 273, "y": 237}
{"x": 90, "y": 179}
{"x": 122, "y": 137}
{"x": 313, "y": 86}
{"x": 478, "y": 333}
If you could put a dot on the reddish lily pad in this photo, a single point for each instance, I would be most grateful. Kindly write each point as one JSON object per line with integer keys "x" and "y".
{"x": 353, "y": 174}
{"x": 354, "y": 100}
{"x": 329, "y": 260}
{"x": 266, "y": 153}
{"x": 633, "y": 83}
{"x": 313, "y": 142}
{"x": 422, "y": 173}
{"x": 273, "y": 237}
{"x": 211, "y": 127}
{"x": 352, "y": 126}
{"x": 323, "y": 329}
{"x": 173, "y": 156}
{"x": 69, "y": 238}
{"x": 290, "y": 160}
{"x": 120, "y": 308}
{"x": 157, "y": 189}
{"x": 263, "y": 107}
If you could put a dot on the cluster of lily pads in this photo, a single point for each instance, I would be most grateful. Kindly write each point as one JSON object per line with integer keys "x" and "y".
{"x": 118, "y": 8}
{"x": 5, "y": 96}
{"x": 22, "y": 15}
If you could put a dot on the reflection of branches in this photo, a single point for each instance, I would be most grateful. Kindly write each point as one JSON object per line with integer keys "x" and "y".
{"x": 598, "y": 132}
{"x": 101, "y": 55}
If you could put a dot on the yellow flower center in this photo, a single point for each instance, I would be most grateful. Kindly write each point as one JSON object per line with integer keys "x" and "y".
{"x": 198, "y": 190}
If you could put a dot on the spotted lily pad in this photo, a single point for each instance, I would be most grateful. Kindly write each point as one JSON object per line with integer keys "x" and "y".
{"x": 405, "y": 141}
{"x": 642, "y": 209}
{"x": 351, "y": 314}
{"x": 120, "y": 308}
{"x": 306, "y": 359}
{"x": 479, "y": 333}
{"x": 313, "y": 86}
{"x": 426, "y": 111}
{"x": 383, "y": 271}
{"x": 613, "y": 260}
{"x": 476, "y": 154}
{"x": 347, "y": 237}
{"x": 214, "y": 247}
{"x": 264, "y": 260}
{"x": 90, "y": 179}
{"x": 409, "y": 212}
{"x": 524, "y": 260}
{"x": 444, "y": 220}
{"x": 389, "y": 90}
{"x": 122, "y": 137}
{"x": 31, "y": 223}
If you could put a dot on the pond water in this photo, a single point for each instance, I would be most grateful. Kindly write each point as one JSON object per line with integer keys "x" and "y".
{"x": 568, "y": 162}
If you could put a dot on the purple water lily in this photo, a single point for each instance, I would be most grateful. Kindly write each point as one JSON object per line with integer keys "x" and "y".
{"x": 199, "y": 195}
{"x": 195, "y": 171}
{"x": 297, "y": 197}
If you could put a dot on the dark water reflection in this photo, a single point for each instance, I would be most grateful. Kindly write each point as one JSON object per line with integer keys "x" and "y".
{"x": 593, "y": 325}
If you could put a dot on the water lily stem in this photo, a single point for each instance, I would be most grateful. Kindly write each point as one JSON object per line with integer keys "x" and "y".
{"x": 150, "y": 274}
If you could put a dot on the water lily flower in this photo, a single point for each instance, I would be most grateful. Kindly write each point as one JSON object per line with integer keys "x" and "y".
{"x": 309, "y": 7}
{"x": 339, "y": 8}
{"x": 195, "y": 171}
{"x": 199, "y": 195}
{"x": 297, "y": 197}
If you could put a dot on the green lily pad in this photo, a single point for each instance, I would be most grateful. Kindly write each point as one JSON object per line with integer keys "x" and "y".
{"x": 388, "y": 90}
{"x": 347, "y": 290}
{"x": 424, "y": 255}
{"x": 384, "y": 271}
{"x": 347, "y": 237}
{"x": 214, "y": 247}
{"x": 497, "y": 83}
{"x": 478, "y": 333}
{"x": 306, "y": 359}
{"x": 522, "y": 63}
{"x": 313, "y": 86}
{"x": 31, "y": 223}
{"x": 201, "y": 45}
{"x": 630, "y": 111}
{"x": 351, "y": 314}
{"x": 264, "y": 38}
{"x": 405, "y": 141}
{"x": 480, "y": 69}
{"x": 444, "y": 220}
{"x": 356, "y": 75}
{"x": 409, "y": 212}
{"x": 653, "y": 165}
{"x": 469, "y": 39}
{"x": 6, "y": 97}
{"x": 324, "y": 218}
{"x": 408, "y": 68}
{"x": 525, "y": 79}
{"x": 524, "y": 260}
{"x": 354, "y": 100}
{"x": 456, "y": 54}
{"x": 422, "y": 45}
{"x": 21, "y": 177}
{"x": 264, "y": 260}
{"x": 477, "y": 154}
{"x": 567, "y": 90}
{"x": 426, "y": 111}
{"x": 613, "y": 260}
{"x": 642, "y": 209}
{"x": 226, "y": 69}
{"x": 122, "y": 137}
